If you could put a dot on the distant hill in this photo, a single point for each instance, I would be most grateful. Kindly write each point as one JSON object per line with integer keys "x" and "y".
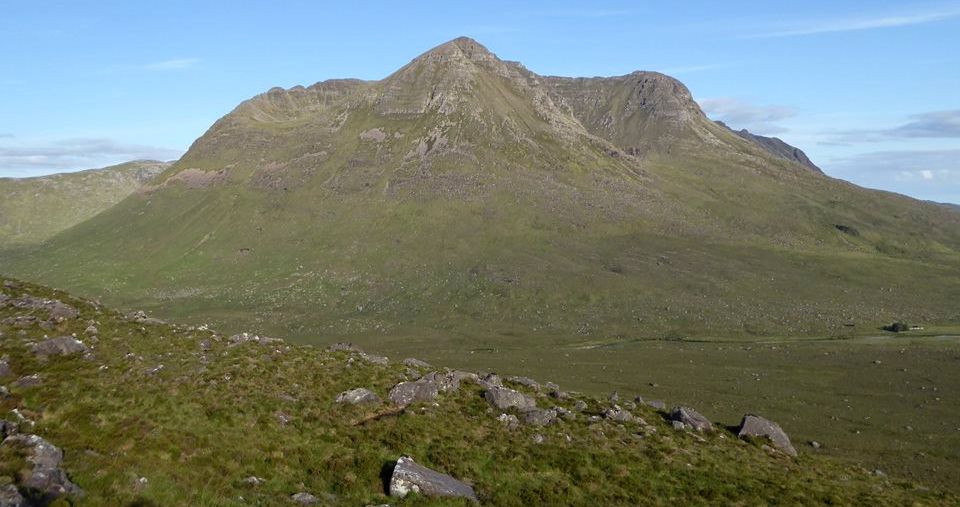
{"x": 465, "y": 196}
{"x": 34, "y": 209}
{"x": 776, "y": 146}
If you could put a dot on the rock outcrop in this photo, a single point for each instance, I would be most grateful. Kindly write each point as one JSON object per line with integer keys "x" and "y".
{"x": 691, "y": 419}
{"x": 504, "y": 398}
{"x": 357, "y": 396}
{"x": 60, "y": 346}
{"x": 410, "y": 477}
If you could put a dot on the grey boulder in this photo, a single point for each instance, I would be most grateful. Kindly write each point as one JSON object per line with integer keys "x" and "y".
{"x": 405, "y": 393}
{"x": 46, "y": 477}
{"x": 538, "y": 417}
{"x": 409, "y": 476}
{"x": 690, "y": 418}
{"x": 756, "y": 426}
{"x": 504, "y": 398}
{"x": 10, "y": 497}
{"x": 357, "y": 396}
{"x": 60, "y": 346}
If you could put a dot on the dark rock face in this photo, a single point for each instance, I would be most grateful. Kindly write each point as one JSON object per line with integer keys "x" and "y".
{"x": 776, "y": 147}
{"x": 409, "y": 477}
{"x": 503, "y": 398}
{"x": 406, "y": 393}
{"x": 690, "y": 418}
{"x": 60, "y": 346}
{"x": 357, "y": 396}
{"x": 756, "y": 426}
{"x": 46, "y": 477}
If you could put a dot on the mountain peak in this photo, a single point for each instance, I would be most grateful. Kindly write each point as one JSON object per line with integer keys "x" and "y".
{"x": 461, "y": 47}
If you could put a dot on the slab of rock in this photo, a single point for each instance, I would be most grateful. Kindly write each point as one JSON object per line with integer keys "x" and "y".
{"x": 409, "y": 476}
{"x": 46, "y": 477}
{"x": 60, "y": 346}
{"x": 691, "y": 419}
{"x": 756, "y": 426}
{"x": 504, "y": 398}
{"x": 405, "y": 393}
{"x": 357, "y": 396}
{"x": 57, "y": 310}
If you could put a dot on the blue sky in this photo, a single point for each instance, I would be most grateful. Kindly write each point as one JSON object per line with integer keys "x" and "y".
{"x": 869, "y": 89}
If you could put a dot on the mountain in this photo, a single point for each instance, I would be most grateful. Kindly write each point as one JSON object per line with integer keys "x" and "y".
{"x": 464, "y": 197}
{"x": 775, "y": 146}
{"x": 34, "y": 209}
{"x": 122, "y": 409}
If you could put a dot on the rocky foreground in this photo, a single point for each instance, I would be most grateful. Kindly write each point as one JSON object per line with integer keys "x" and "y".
{"x": 99, "y": 407}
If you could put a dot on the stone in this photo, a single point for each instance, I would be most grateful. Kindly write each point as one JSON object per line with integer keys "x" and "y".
{"x": 657, "y": 404}
{"x": 10, "y": 497}
{"x": 5, "y": 370}
{"x": 91, "y": 330}
{"x": 60, "y": 346}
{"x": 815, "y": 444}
{"x": 374, "y": 359}
{"x": 537, "y": 438}
{"x": 615, "y": 413}
{"x": 405, "y": 393}
{"x": 580, "y": 406}
{"x": 56, "y": 310}
{"x": 524, "y": 381}
{"x": 448, "y": 381}
{"x": 415, "y": 363}
{"x": 304, "y": 498}
{"x": 565, "y": 414}
{"x": 504, "y": 398}
{"x": 509, "y": 420}
{"x": 756, "y": 426}
{"x": 206, "y": 345}
{"x": 254, "y": 481}
{"x": 539, "y": 417}
{"x": 46, "y": 478}
{"x": 691, "y": 418}
{"x": 409, "y": 476}
{"x": 614, "y": 397}
{"x": 357, "y": 396}
{"x": 490, "y": 380}
{"x": 8, "y": 428}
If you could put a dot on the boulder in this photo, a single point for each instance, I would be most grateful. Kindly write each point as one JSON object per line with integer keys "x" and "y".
{"x": 405, "y": 393}
{"x": 449, "y": 380}
{"x": 580, "y": 406}
{"x": 46, "y": 478}
{"x": 60, "y": 346}
{"x": 657, "y": 404}
{"x": 5, "y": 370}
{"x": 691, "y": 419}
{"x": 91, "y": 330}
{"x": 615, "y": 413}
{"x": 539, "y": 417}
{"x": 490, "y": 380}
{"x": 756, "y": 426}
{"x": 374, "y": 359}
{"x": 7, "y": 428}
{"x": 10, "y": 497}
{"x": 409, "y": 476}
{"x": 509, "y": 420}
{"x": 56, "y": 310}
{"x": 357, "y": 396}
{"x": 504, "y": 398}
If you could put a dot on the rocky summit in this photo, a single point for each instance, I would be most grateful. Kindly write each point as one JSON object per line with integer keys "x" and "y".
{"x": 468, "y": 194}
{"x": 166, "y": 414}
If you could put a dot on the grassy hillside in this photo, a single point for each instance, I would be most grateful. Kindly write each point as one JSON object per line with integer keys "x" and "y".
{"x": 157, "y": 414}
{"x": 34, "y": 209}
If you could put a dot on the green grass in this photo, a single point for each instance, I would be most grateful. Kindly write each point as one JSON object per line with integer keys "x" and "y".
{"x": 197, "y": 428}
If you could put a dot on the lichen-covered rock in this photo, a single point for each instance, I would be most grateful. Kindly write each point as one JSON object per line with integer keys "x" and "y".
{"x": 357, "y": 396}
{"x": 409, "y": 476}
{"x": 504, "y": 398}
{"x": 60, "y": 346}
{"x": 691, "y": 419}
{"x": 405, "y": 393}
{"x": 756, "y": 426}
{"x": 524, "y": 381}
{"x": 46, "y": 478}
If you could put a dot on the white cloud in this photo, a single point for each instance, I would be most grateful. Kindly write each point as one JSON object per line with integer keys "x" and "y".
{"x": 813, "y": 27}
{"x": 168, "y": 65}
{"x": 74, "y": 154}
{"x": 926, "y": 174}
{"x": 739, "y": 114}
